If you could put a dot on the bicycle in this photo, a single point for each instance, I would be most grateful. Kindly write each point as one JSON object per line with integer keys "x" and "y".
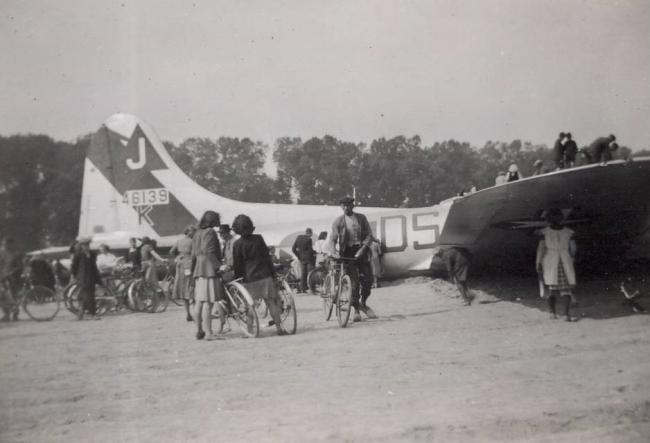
{"x": 39, "y": 302}
{"x": 337, "y": 291}
{"x": 287, "y": 305}
{"x": 242, "y": 311}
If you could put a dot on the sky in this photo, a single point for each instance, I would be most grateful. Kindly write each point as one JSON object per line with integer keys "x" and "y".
{"x": 358, "y": 70}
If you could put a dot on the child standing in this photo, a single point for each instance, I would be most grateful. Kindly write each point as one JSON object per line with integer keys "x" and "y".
{"x": 555, "y": 261}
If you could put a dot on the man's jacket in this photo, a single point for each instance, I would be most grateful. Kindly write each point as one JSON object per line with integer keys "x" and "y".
{"x": 339, "y": 235}
{"x": 303, "y": 249}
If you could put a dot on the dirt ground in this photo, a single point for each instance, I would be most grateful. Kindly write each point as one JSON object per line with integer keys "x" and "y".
{"x": 428, "y": 369}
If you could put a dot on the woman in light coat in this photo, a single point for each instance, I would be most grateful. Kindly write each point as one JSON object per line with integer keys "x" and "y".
{"x": 555, "y": 261}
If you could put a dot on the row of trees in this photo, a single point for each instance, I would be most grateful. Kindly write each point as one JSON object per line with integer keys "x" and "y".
{"x": 40, "y": 180}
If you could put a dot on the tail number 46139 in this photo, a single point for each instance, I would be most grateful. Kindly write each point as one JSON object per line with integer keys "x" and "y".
{"x": 146, "y": 197}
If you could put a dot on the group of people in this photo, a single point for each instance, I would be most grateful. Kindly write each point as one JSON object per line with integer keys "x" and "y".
{"x": 565, "y": 150}
{"x": 554, "y": 264}
{"x": 565, "y": 155}
{"x": 310, "y": 255}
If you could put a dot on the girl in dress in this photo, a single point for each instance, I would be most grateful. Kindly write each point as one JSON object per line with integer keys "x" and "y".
{"x": 555, "y": 261}
{"x": 206, "y": 261}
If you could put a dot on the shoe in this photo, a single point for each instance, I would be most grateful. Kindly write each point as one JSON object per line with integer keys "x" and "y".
{"x": 369, "y": 312}
{"x": 282, "y": 332}
{"x": 271, "y": 323}
{"x": 200, "y": 335}
{"x": 96, "y": 317}
{"x": 357, "y": 317}
{"x": 189, "y": 318}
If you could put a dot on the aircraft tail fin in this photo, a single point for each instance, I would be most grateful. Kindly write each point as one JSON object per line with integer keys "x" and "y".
{"x": 126, "y": 183}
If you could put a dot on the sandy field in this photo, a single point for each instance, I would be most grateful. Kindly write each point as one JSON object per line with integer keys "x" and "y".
{"x": 428, "y": 369}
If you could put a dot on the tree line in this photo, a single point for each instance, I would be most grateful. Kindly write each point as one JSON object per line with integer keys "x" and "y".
{"x": 41, "y": 179}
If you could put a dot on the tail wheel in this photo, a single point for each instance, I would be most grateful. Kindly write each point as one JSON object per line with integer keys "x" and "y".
{"x": 244, "y": 314}
{"x": 328, "y": 296}
{"x": 344, "y": 301}
{"x": 287, "y": 304}
{"x": 41, "y": 303}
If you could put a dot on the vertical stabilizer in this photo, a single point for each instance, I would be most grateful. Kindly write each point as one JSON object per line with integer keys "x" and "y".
{"x": 121, "y": 187}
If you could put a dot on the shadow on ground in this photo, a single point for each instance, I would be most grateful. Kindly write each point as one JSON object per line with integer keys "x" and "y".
{"x": 598, "y": 298}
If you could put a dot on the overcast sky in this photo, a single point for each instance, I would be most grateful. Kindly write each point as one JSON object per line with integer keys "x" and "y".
{"x": 358, "y": 70}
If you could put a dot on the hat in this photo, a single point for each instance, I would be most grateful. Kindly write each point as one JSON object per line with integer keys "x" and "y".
{"x": 345, "y": 200}
{"x": 538, "y": 162}
{"x": 513, "y": 168}
{"x": 224, "y": 229}
{"x": 84, "y": 240}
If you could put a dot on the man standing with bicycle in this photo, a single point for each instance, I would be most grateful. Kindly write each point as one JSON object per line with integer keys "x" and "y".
{"x": 352, "y": 234}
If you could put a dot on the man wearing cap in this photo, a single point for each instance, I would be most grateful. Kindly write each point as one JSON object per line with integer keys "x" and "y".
{"x": 304, "y": 250}
{"x": 352, "y": 234}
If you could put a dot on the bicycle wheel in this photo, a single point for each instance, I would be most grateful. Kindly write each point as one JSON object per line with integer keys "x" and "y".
{"x": 344, "y": 301}
{"x": 315, "y": 280}
{"x": 328, "y": 295}
{"x": 104, "y": 300}
{"x": 70, "y": 295}
{"x": 162, "y": 300}
{"x": 142, "y": 296}
{"x": 288, "y": 314}
{"x": 41, "y": 303}
{"x": 244, "y": 308}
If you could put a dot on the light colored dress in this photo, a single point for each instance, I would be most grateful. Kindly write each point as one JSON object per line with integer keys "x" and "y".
{"x": 557, "y": 262}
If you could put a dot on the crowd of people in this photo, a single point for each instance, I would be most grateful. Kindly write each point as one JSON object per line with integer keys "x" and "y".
{"x": 565, "y": 155}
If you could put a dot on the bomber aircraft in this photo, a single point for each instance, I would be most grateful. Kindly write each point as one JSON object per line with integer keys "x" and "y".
{"x": 133, "y": 188}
